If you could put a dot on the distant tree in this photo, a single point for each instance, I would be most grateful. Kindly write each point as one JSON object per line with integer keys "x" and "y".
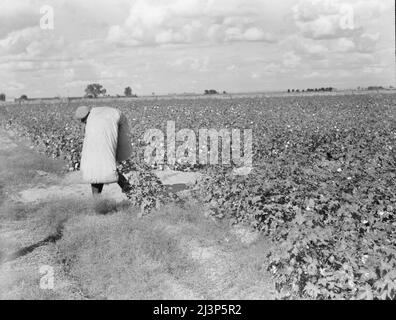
{"x": 288, "y": 90}
{"x": 375, "y": 88}
{"x": 2, "y": 97}
{"x": 224, "y": 92}
{"x": 23, "y": 97}
{"x": 292, "y": 90}
{"x": 94, "y": 90}
{"x": 211, "y": 91}
{"x": 128, "y": 92}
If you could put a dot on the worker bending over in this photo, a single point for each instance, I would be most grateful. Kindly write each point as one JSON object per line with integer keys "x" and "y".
{"x": 106, "y": 142}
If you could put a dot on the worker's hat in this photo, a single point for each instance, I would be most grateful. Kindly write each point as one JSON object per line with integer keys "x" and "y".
{"x": 82, "y": 112}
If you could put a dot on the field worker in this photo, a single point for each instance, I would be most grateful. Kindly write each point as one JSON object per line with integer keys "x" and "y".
{"x": 106, "y": 142}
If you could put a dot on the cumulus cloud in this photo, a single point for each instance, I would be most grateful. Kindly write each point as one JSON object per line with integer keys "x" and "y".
{"x": 327, "y": 19}
{"x": 329, "y": 27}
{"x": 31, "y": 42}
{"x": 190, "y": 21}
{"x": 190, "y": 63}
{"x": 309, "y": 48}
{"x": 366, "y": 43}
{"x": 324, "y": 19}
{"x": 291, "y": 60}
{"x": 16, "y": 15}
{"x": 343, "y": 45}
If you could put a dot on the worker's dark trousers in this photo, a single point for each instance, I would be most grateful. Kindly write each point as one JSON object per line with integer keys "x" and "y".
{"x": 122, "y": 182}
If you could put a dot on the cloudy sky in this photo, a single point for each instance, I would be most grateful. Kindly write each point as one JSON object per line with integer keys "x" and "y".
{"x": 167, "y": 46}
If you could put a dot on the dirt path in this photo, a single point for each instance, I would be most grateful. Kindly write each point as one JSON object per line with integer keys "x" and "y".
{"x": 224, "y": 261}
{"x": 72, "y": 185}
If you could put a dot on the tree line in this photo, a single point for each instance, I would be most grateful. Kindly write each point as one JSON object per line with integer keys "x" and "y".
{"x": 212, "y": 91}
{"x": 329, "y": 89}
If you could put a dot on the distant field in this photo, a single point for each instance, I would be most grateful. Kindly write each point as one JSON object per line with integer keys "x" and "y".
{"x": 213, "y": 96}
{"x": 323, "y": 183}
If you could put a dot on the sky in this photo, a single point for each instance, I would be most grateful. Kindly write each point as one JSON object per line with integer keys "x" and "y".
{"x": 176, "y": 46}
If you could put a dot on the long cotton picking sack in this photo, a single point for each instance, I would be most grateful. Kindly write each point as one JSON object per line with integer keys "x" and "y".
{"x": 98, "y": 160}
{"x": 124, "y": 147}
